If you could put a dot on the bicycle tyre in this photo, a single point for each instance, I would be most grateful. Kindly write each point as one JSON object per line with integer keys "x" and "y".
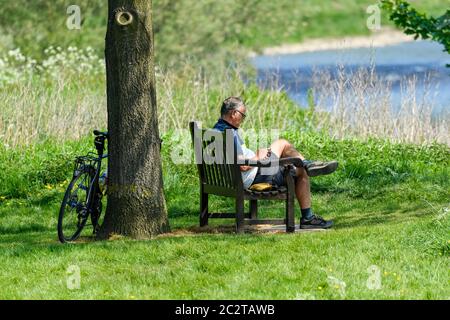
{"x": 72, "y": 201}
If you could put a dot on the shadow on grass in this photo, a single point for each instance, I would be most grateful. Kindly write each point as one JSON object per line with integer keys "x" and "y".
{"x": 373, "y": 214}
{"x": 25, "y": 229}
{"x": 195, "y": 230}
{"x": 27, "y": 242}
{"x": 387, "y": 217}
{"x": 185, "y": 223}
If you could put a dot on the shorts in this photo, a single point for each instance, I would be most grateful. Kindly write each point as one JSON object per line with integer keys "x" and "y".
{"x": 273, "y": 175}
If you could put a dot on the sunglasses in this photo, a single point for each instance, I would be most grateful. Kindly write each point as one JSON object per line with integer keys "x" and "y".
{"x": 242, "y": 114}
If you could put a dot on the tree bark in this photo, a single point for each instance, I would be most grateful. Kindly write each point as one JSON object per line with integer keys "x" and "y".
{"x": 136, "y": 205}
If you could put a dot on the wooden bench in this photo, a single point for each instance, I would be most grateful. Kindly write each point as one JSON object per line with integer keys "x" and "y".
{"x": 223, "y": 178}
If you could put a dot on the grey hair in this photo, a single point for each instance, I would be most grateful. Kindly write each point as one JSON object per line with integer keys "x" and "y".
{"x": 230, "y": 104}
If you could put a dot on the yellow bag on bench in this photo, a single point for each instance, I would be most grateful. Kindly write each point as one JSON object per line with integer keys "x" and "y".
{"x": 261, "y": 187}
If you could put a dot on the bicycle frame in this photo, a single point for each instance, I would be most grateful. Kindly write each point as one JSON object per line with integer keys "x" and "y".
{"x": 94, "y": 186}
{"x": 99, "y": 142}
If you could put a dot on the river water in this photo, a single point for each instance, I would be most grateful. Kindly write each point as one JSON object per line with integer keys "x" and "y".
{"x": 423, "y": 60}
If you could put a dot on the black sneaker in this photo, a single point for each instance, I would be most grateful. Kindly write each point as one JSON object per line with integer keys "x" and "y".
{"x": 316, "y": 222}
{"x": 318, "y": 168}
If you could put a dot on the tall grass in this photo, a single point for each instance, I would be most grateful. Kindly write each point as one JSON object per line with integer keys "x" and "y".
{"x": 362, "y": 106}
{"x": 59, "y": 97}
{"x": 56, "y": 98}
{"x": 64, "y": 96}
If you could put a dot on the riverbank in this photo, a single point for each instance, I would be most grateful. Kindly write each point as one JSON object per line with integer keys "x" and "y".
{"x": 381, "y": 38}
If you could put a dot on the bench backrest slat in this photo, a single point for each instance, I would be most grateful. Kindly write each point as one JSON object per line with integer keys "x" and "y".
{"x": 220, "y": 174}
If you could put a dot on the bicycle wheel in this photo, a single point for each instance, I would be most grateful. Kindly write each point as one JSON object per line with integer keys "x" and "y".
{"x": 74, "y": 213}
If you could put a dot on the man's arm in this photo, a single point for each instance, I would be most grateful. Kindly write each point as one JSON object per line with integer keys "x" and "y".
{"x": 245, "y": 168}
{"x": 261, "y": 154}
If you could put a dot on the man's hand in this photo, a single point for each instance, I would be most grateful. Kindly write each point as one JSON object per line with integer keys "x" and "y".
{"x": 261, "y": 154}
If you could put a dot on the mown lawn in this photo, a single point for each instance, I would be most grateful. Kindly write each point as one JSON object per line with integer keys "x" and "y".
{"x": 390, "y": 203}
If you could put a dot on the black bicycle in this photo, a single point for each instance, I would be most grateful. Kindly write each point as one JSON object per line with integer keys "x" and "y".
{"x": 83, "y": 197}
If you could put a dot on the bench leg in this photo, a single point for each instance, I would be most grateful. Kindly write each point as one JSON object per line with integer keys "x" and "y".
{"x": 239, "y": 214}
{"x": 253, "y": 209}
{"x": 290, "y": 213}
{"x": 203, "y": 209}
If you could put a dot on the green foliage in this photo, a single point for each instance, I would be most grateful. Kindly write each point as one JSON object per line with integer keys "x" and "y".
{"x": 27, "y": 170}
{"x": 419, "y": 24}
{"x": 207, "y": 32}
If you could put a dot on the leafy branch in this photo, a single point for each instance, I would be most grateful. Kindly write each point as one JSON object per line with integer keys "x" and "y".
{"x": 419, "y": 24}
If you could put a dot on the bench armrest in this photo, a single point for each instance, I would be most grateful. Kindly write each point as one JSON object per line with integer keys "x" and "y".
{"x": 291, "y": 161}
{"x": 281, "y": 162}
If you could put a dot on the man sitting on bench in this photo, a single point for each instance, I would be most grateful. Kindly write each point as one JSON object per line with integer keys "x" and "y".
{"x": 232, "y": 114}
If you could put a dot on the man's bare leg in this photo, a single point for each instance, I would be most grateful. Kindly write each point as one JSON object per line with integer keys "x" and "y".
{"x": 283, "y": 149}
{"x": 303, "y": 189}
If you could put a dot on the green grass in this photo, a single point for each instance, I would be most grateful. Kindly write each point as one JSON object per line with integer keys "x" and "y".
{"x": 389, "y": 202}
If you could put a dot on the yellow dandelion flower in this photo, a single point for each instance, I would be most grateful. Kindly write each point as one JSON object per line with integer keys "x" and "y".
{"x": 320, "y": 288}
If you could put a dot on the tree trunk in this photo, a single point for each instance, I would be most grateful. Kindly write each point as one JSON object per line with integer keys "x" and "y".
{"x": 136, "y": 205}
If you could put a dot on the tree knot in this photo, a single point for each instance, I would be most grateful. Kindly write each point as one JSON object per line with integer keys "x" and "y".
{"x": 123, "y": 17}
